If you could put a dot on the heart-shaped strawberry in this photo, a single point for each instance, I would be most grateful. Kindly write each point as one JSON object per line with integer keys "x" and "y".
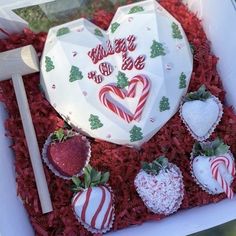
{"x": 66, "y": 153}
{"x": 93, "y": 204}
{"x": 121, "y": 71}
{"x": 160, "y": 185}
{"x": 201, "y": 112}
{"x": 213, "y": 167}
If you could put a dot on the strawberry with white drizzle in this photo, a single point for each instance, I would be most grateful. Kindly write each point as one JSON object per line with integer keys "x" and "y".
{"x": 160, "y": 185}
{"x": 201, "y": 112}
{"x": 213, "y": 167}
{"x": 93, "y": 202}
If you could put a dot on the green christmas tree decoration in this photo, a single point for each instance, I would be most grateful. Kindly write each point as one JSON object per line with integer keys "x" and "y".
{"x": 49, "y": 64}
{"x": 182, "y": 81}
{"x": 98, "y": 32}
{"x": 157, "y": 49}
{"x": 176, "y": 34}
{"x": 122, "y": 80}
{"x": 75, "y": 74}
{"x": 136, "y": 9}
{"x": 114, "y": 26}
{"x": 62, "y": 31}
{"x": 164, "y": 104}
{"x": 94, "y": 121}
{"x": 136, "y": 134}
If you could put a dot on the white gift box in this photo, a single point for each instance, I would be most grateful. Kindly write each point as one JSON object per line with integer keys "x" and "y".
{"x": 218, "y": 21}
{"x": 13, "y": 218}
{"x": 10, "y": 21}
{"x": 182, "y": 223}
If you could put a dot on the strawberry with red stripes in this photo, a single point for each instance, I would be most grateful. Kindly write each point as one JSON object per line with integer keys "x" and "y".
{"x": 93, "y": 202}
{"x": 213, "y": 167}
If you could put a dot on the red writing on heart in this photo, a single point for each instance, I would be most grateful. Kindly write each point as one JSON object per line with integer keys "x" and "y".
{"x": 122, "y": 45}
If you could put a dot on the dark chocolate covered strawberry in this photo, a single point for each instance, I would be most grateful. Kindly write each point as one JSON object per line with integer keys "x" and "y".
{"x": 66, "y": 153}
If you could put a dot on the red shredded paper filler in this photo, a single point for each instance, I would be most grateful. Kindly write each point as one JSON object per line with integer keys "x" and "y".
{"x": 173, "y": 140}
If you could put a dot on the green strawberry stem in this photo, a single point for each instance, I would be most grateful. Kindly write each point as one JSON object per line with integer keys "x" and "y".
{"x": 161, "y": 163}
{"x": 214, "y": 148}
{"x": 201, "y": 94}
{"x": 92, "y": 178}
{"x": 61, "y": 135}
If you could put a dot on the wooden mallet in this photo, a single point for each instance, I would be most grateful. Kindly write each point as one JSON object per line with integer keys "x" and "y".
{"x": 14, "y": 64}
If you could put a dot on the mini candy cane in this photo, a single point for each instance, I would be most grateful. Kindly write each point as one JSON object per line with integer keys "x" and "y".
{"x": 116, "y": 109}
{"x": 143, "y": 98}
{"x": 217, "y": 175}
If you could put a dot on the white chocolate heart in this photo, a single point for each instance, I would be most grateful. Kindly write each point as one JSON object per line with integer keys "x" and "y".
{"x": 84, "y": 69}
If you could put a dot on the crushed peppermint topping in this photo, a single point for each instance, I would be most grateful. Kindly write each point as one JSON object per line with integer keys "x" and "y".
{"x": 162, "y": 193}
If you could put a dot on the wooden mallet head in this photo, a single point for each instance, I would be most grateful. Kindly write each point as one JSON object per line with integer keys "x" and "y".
{"x": 14, "y": 64}
{"x": 21, "y": 61}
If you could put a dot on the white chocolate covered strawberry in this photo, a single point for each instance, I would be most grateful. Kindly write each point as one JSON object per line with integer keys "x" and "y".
{"x": 93, "y": 203}
{"x": 201, "y": 112}
{"x": 160, "y": 185}
{"x": 213, "y": 167}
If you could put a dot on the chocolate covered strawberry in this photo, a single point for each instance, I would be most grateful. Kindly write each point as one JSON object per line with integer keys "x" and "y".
{"x": 93, "y": 202}
{"x": 160, "y": 185}
{"x": 213, "y": 167}
{"x": 66, "y": 153}
{"x": 201, "y": 112}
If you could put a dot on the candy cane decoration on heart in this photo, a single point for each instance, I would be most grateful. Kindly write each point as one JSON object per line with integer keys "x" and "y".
{"x": 123, "y": 94}
{"x": 217, "y": 175}
{"x": 145, "y": 92}
{"x": 116, "y": 109}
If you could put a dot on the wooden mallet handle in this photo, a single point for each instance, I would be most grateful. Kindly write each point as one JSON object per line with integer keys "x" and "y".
{"x": 18, "y": 62}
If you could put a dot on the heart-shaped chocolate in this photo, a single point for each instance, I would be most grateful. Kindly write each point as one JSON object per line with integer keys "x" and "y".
{"x": 121, "y": 85}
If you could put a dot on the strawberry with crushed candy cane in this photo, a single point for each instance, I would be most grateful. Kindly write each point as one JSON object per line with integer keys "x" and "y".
{"x": 160, "y": 186}
{"x": 201, "y": 112}
{"x": 213, "y": 167}
{"x": 93, "y": 202}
